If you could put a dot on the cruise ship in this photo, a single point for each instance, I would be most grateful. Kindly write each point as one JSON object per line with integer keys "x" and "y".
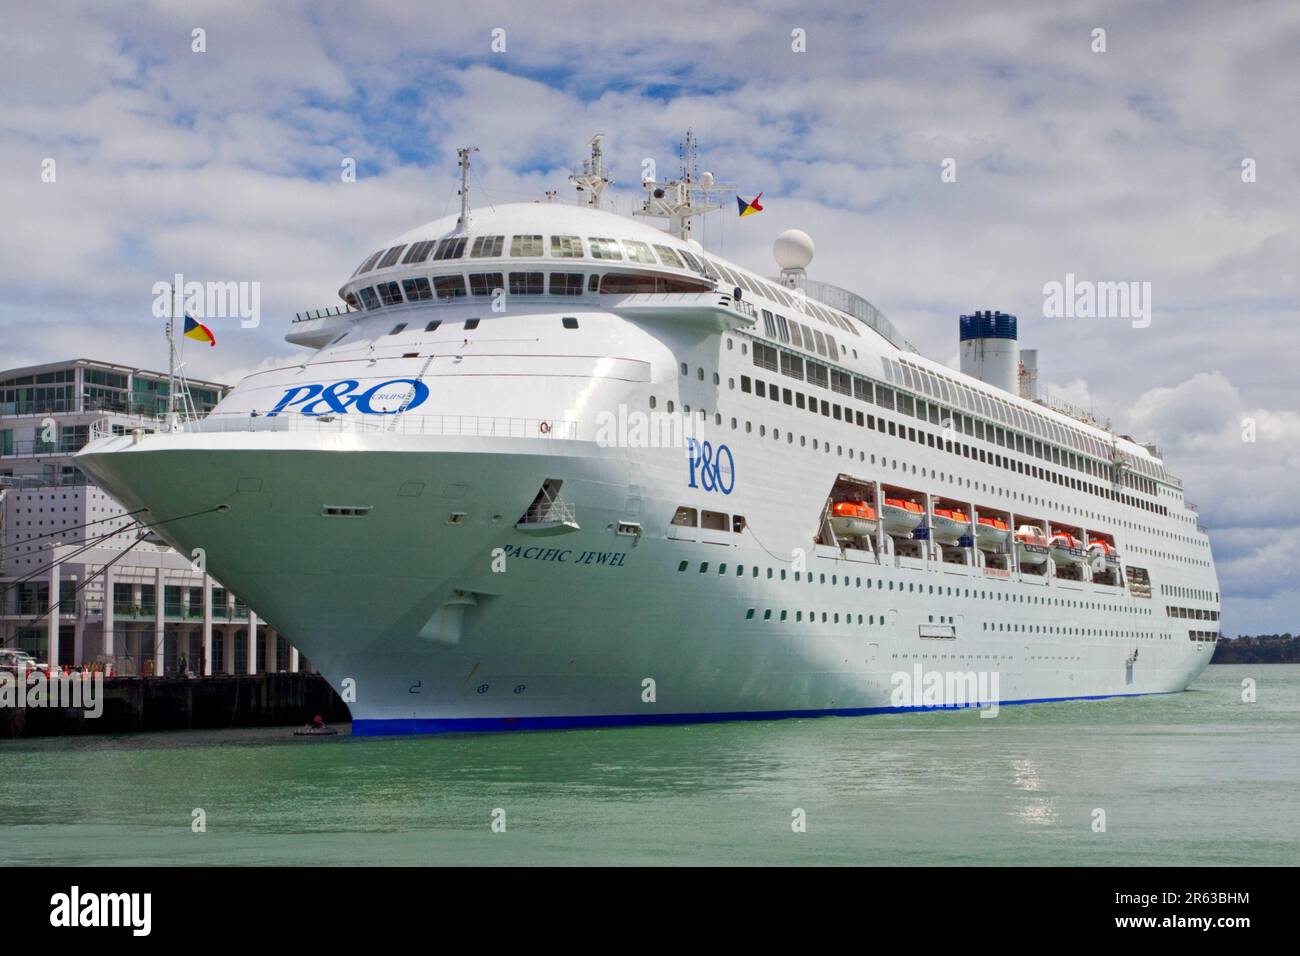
{"x": 551, "y": 466}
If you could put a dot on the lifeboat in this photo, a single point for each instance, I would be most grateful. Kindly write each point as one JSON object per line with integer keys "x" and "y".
{"x": 1103, "y": 553}
{"x": 853, "y": 519}
{"x": 991, "y": 534}
{"x": 1031, "y": 546}
{"x": 1066, "y": 550}
{"x": 949, "y": 525}
{"x": 901, "y": 517}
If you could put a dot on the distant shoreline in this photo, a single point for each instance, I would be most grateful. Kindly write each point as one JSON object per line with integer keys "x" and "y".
{"x": 1260, "y": 649}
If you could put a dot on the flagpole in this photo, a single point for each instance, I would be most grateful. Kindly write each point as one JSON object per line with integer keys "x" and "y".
{"x": 171, "y": 365}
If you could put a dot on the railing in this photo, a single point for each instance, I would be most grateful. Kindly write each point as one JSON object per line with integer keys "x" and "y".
{"x": 556, "y": 509}
{"x": 473, "y": 426}
{"x": 326, "y": 313}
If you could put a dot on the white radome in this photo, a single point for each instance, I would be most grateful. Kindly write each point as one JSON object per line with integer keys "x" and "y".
{"x": 793, "y": 249}
{"x": 706, "y": 178}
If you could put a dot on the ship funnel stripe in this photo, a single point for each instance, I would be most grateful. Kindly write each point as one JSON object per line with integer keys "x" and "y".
{"x": 988, "y": 325}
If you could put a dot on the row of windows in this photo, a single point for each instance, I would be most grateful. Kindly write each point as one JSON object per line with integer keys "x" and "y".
{"x": 450, "y": 288}
{"x": 601, "y": 249}
{"x": 940, "y": 590}
{"x": 869, "y": 392}
{"x": 777, "y": 393}
{"x": 531, "y": 246}
{"x": 1191, "y": 613}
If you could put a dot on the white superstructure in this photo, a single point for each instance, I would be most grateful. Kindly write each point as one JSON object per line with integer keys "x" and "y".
{"x": 556, "y": 467}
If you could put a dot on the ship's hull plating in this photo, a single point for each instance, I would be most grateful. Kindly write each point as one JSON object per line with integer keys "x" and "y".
{"x": 591, "y": 627}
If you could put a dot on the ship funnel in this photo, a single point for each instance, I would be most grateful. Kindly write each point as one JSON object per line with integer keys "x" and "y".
{"x": 1029, "y": 374}
{"x": 989, "y": 349}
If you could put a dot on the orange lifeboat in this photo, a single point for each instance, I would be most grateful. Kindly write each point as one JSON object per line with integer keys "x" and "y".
{"x": 991, "y": 534}
{"x": 901, "y": 516}
{"x": 949, "y": 525}
{"x": 853, "y": 519}
{"x": 1031, "y": 546}
{"x": 1066, "y": 549}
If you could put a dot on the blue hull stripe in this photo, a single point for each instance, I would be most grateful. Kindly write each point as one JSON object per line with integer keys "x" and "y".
{"x": 453, "y": 725}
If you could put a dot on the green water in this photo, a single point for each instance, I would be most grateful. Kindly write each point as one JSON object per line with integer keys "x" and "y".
{"x": 1192, "y": 778}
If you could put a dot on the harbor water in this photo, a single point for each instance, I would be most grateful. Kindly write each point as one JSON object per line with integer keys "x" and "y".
{"x": 1197, "y": 778}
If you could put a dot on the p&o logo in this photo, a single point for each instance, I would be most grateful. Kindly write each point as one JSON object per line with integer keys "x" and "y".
{"x": 707, "y": 467}
{"x": 386, "y": 398}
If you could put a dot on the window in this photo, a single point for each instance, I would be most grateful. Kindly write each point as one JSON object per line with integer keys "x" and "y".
{"x": 569, "y": 322}
{"x": 449, "y": 287}
{"x": 769, "y": 324}
{"x": 817, "y": 374}
{"x": 368, "y": 298}
{"x": 390, "y": 257}
{"x": 841, "y": 382}
{"x": 566, "y": 247}
{"x": 397, "y": 328}
{"x": 471, "y": 325}
{"x": 765, "y": 356}
{"x": 714, "y": 520}
{"x": 782, "y": 329}
{"x": 417, "y": 290}
{"x": 418, "y": 252}
{"x": 450, "y": 248}
{"x": 369, "y": 263}
{"x": 791, "y": 365}
{"x": 485, "y": 283}
{"x": 486, "y": 247}
{"x": 685, "y": 517}
{"x": 390, "y": 293}
{"x": 526, "y": 246}
{"x": 566, "y": 283}
{"x": 527, "y": 283}
{"x": 605, "y": 249}
{"x": 638, "y": 252}
{"x": 433, "y": 326}
{"x": 668, "y": 257}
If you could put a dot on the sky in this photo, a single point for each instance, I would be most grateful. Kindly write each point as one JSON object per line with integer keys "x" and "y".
{"x": 1171, "y": 156}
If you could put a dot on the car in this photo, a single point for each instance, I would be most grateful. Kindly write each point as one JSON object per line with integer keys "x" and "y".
{"x": 16, "y": 661}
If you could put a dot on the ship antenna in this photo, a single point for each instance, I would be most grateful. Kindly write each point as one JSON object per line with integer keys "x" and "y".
{"x": 683, "y": 198}
{"x": 591, "y": 175}
{"x": 462, "y": 155}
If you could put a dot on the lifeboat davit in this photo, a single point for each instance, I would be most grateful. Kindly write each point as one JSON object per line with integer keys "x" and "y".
{"x": 853, "y": 519}
{"x": 1066, "y": 550}
{"x": 901, "y": 517}
{"x": 991, "y": 534}
{"x": 1031, "y": 546}
{"x": 949, "y": 525}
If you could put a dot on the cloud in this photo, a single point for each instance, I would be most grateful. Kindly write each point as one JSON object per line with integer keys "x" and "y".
{"x": 1117, "y": 166}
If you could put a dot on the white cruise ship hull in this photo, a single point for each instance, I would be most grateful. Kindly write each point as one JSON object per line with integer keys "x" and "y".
{"x": 573, "y": 628}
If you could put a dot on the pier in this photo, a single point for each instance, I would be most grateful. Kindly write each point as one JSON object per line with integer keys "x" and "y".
{"x": 180, "y": 703}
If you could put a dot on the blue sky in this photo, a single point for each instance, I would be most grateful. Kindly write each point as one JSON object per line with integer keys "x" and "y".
{"x": 1115, "y": 165}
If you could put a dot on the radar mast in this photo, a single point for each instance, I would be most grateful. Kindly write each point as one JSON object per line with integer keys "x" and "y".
{"x": 679, "y": 200}
{"x": 591, "y": 178}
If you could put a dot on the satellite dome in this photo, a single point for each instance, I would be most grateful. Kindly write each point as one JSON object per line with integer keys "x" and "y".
{"x": 793, "y": 249}
{"x": 706, "y": 178}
